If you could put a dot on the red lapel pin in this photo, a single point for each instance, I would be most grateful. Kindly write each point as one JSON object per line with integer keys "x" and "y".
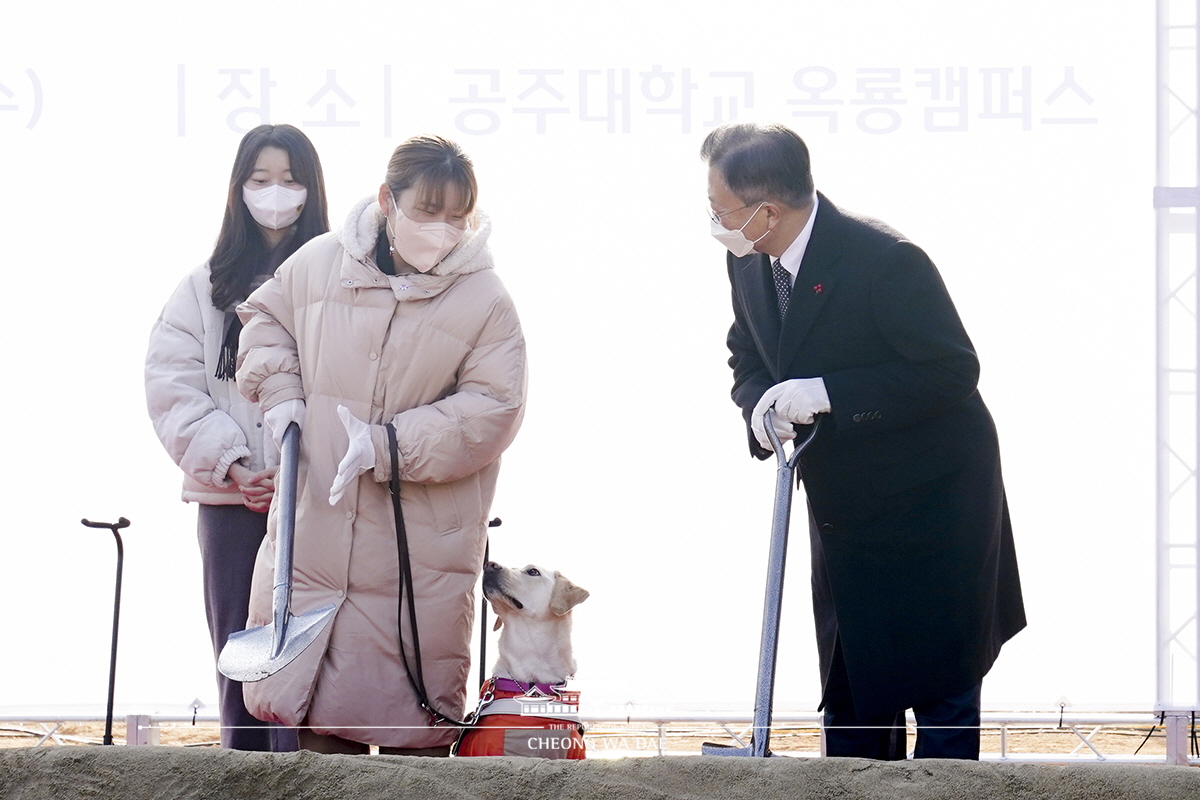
{"x": 817, "y": 289}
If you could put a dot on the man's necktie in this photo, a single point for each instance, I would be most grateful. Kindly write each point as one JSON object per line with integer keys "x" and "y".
{"x": 783, "y": 285}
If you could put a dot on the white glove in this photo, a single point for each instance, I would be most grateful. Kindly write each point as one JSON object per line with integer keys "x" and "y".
{"x": 360, "y": 454}
{"x": 278, "y": 418}
{"x": 796, "y": 401}
{"x": 783, "y": 429}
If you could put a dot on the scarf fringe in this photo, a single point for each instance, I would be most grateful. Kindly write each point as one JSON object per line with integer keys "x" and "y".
{"x": 227, "y": 361}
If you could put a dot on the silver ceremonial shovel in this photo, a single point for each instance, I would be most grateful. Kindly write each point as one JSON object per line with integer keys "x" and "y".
{"x": 769, "y": 646}
{"x": 255, "y": 653}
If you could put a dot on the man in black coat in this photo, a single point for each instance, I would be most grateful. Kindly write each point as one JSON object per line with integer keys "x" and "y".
{"x": 914, "y": 574}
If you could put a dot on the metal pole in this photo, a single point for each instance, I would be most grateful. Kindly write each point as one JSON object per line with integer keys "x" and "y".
{"x": 1195, "y": 240}
{"x": 483, "y": 608}
{"x": 483, "y": 605}
{"x": 112, "y": 663}
{"x": 1162, "y": 429}
{"x": 1177, "y": 428}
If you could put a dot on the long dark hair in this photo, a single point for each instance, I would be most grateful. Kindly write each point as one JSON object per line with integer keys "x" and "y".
{"x": 241, "y": 252}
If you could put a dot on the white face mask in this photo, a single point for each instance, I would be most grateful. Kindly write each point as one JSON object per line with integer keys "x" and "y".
{"x": 422, "y": 245}
{"x": 736, "y": 241}
{"x": 275, "y": 206}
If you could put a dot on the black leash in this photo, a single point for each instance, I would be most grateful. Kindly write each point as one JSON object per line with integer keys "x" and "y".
{"x": 417, "y": 681}
{"x": 1162, "y": 719}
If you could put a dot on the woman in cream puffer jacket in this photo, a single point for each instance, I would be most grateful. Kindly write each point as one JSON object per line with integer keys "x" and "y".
{"x": 441, "y": 356}
{"x": 275, "y": 202}
{"x": 201, "y": 419}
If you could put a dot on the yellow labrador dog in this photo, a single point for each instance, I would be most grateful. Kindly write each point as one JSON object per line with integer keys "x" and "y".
{"x": 524, "y": 708}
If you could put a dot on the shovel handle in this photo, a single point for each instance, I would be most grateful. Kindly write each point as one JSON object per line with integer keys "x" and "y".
{"x": 285, "y": 536}
{"x": 289, "y": 467}
{"x": 773, "y": 605}
{"x": 777, "y": 446}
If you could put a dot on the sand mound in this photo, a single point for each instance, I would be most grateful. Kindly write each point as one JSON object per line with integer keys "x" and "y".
{"x": 134, "y": 773}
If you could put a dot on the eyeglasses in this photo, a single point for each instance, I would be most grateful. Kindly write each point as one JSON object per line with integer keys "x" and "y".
{"x": 715, "y": 217}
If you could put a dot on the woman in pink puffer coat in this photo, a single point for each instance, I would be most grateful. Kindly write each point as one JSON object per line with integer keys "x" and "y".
{"x": 398, "y": 318}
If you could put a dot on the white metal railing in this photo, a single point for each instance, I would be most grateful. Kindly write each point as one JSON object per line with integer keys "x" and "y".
{"x": 144, "y": 729}
{"x": 738, "y": 727}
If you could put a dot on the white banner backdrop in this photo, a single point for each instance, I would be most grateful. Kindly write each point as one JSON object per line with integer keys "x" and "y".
{"x": 1013, "y": 141}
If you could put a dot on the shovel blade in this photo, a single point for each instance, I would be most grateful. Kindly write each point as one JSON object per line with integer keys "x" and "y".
{"x": 710, "y": 749}
{"x": 250, "y": 655}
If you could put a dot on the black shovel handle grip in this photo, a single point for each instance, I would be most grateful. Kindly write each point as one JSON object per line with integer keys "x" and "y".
{"x": 116, "y": 526}
{"x": 768, "y": 425}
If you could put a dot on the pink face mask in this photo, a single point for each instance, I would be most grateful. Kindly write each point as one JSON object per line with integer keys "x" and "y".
{"x": 422, "y": 245}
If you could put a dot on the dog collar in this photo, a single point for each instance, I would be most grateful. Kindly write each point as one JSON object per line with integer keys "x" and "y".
{"x": 547, "y": 689}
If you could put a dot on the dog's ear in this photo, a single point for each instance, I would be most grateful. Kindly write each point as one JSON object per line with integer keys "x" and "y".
{"x": 499, "y": 622}
{"x": 566, "y": 596}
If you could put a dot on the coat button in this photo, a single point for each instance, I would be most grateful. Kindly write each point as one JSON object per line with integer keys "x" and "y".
{"x": 857, "y": 417}
{"x": 374, "y": 356}
{"x": 349, "y": 515}
{"x": 827, "y": 527}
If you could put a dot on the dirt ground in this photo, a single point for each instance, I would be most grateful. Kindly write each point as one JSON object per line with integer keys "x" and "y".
{"x": 203, "y": 773}
{"x": 614, "y": 740}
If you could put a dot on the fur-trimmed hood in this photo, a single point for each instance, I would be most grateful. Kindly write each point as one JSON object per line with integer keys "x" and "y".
{"x": 366, "y": 219}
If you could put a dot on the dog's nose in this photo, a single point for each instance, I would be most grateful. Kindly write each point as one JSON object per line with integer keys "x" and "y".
{"x": 491, "y": 566}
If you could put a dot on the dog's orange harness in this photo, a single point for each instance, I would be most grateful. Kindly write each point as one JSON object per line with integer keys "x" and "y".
{"x": 537, "y": 720}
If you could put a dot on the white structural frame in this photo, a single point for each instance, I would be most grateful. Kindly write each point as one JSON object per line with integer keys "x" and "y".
{"x": 1176, "y": 204}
